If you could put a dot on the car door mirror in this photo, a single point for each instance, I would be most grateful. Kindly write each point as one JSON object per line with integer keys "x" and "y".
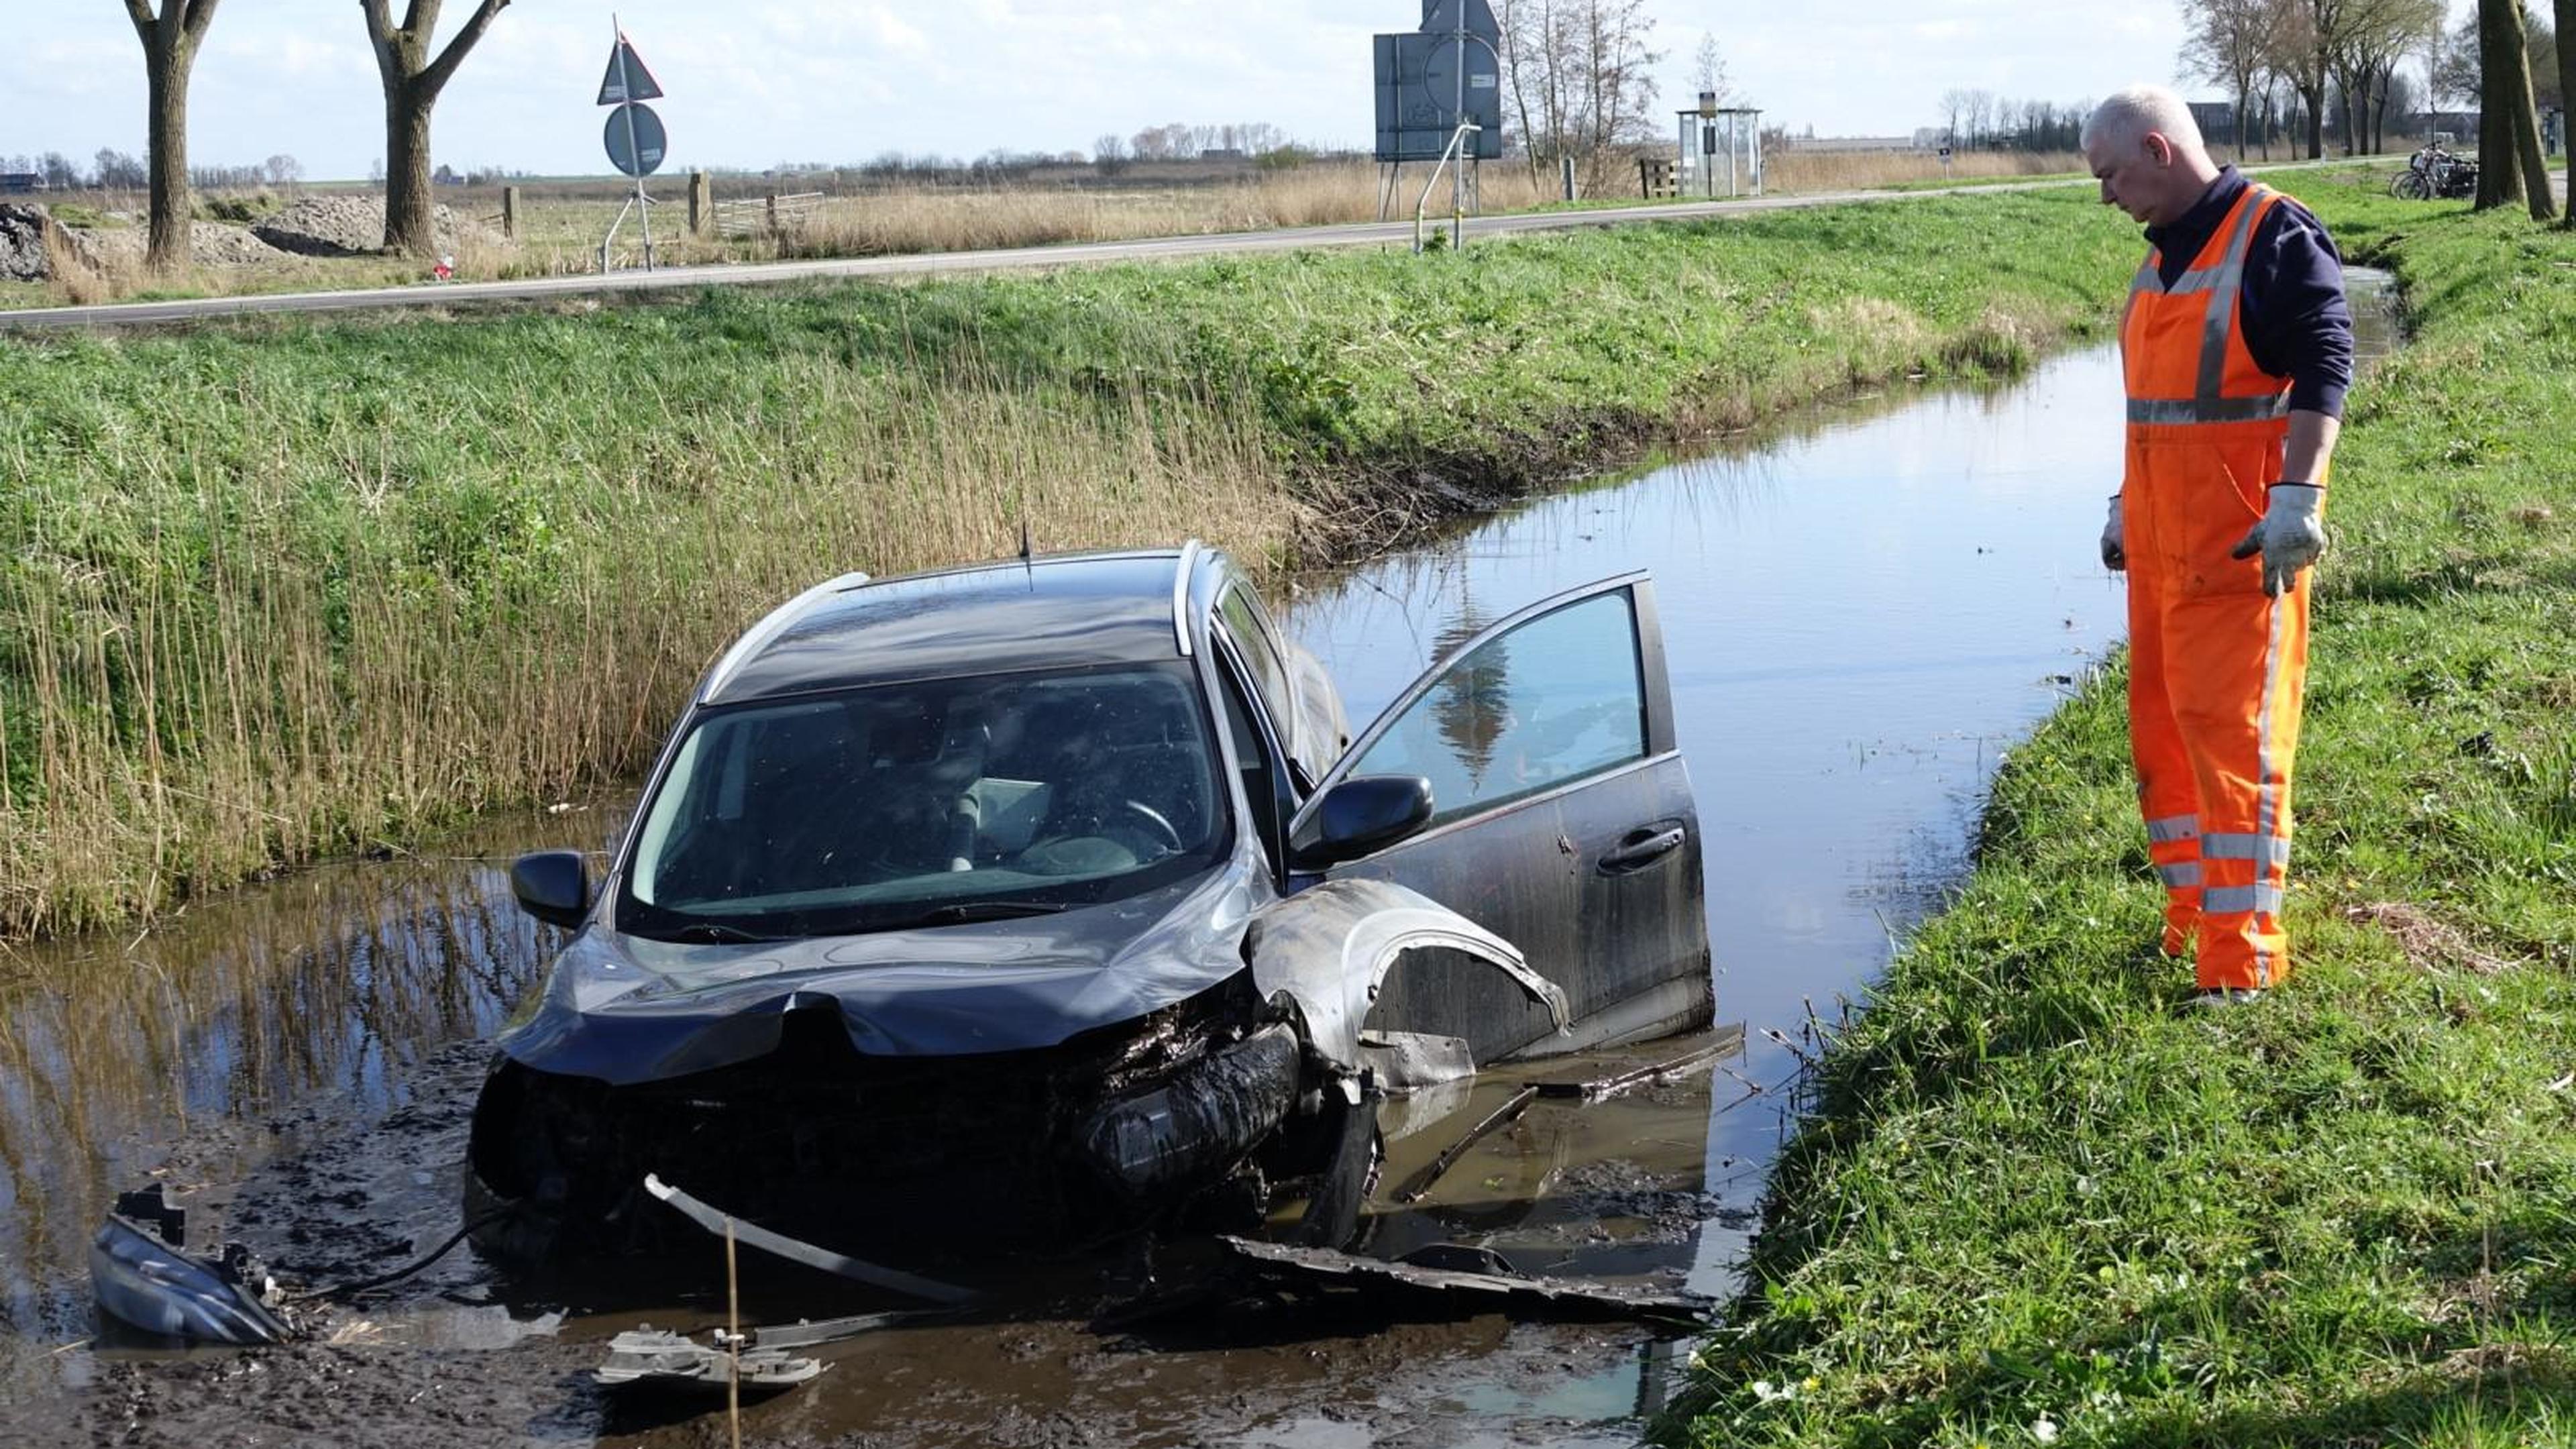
{"x": 552, "y": 885}
{"x": 1363, "y": 814}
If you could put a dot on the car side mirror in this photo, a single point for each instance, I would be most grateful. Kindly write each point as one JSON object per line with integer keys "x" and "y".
{"x": 553, "y": 886}
{"x": 1363, "y": 814}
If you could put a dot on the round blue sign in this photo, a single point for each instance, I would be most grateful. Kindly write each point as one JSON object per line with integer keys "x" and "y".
{"x": 635, "y": 139}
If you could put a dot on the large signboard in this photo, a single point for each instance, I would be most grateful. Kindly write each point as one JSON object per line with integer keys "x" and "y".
{"x": 1424, "y": 75}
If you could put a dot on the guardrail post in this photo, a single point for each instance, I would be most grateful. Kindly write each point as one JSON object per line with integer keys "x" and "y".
{"x": 510, "y": 212}
{"x": 773, "y": 213}
{"x": 702, "y": 203}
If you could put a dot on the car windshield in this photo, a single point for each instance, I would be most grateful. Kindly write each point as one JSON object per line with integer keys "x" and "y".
{"x": 927, "y": 803}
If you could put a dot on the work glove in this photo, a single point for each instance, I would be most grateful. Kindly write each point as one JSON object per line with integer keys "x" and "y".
{"x": 2115, "y": 554}
{"x": 2290, "y": 536}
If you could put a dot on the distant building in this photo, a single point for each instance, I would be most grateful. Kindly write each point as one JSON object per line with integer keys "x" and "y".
{"x": 14, "y": 182}
{"x": 1222, "y": 153}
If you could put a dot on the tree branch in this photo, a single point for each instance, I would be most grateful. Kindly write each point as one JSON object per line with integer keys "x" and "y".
{"x": 201, "y": 13}
{"x": 141, "y": 11}
{"x": 435, "y": 77}
{"x": 380, "y": 24}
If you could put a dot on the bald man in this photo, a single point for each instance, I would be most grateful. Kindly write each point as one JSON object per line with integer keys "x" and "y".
{"x": 2236, "y": 350}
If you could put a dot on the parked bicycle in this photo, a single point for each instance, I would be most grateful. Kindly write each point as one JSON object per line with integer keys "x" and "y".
{"x": 2436, "y": 172}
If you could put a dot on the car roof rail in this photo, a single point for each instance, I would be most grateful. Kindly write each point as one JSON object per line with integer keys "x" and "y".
{"x": 1181, "y": 595}
{"x": 769, "y": 628}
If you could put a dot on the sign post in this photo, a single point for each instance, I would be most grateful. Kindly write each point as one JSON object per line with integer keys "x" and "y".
{"x": 633, "y": 136}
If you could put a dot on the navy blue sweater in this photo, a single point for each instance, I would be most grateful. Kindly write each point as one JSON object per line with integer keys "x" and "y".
{"x": 2297, "y": 324}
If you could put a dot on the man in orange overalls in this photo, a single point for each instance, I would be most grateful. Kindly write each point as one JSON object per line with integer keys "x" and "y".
{"x": 2236, "y": 348}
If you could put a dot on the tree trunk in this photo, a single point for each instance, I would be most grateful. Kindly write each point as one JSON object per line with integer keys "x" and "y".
{"x": 409, "y": 225}
{"x": 173, "y": 213}
{"x": 2314, "y": 97}
{"x": 2566, "y": 12}
{"x": 2499, "y": 55}
{"x": 2526, "y": 135}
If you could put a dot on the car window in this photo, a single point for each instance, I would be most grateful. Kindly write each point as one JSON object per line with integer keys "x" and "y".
{"x": 1250, "y": 631}
{"x": 1555, "y": 699}
{"x": 1260, "y": 786}
{"x": 869, "y": 809}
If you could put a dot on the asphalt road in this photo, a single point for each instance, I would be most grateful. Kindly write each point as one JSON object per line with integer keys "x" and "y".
{"x": 1381, "y": 234}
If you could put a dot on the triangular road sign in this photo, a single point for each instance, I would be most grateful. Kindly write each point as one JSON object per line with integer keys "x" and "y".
{"x": 627, "y": 80}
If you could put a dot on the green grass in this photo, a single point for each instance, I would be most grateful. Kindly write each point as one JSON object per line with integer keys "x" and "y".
{"x": 2036, "y": 1200}
{"x": 274, "y": 587}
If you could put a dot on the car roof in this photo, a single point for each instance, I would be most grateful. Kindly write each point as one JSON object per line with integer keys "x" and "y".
{"x": 1052, "y": 611}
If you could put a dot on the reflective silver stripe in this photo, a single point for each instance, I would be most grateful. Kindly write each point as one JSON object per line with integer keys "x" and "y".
{"x": 2181, "y": 876}
{"x": 2170, "y": 828}
{"x": 2267, "y": 791}
{"x": 2209, "y": 410}
{"x": 2225, "y": 900}
{"x": 2222, "y": 295}
{"x": 2270, "y": 849}
{"x": 2147, "y": 279}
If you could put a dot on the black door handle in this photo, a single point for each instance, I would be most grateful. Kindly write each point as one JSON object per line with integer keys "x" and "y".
{"x": 1641, "y": 848}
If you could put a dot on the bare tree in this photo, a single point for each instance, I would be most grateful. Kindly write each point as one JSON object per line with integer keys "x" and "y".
{"x": 170, "y": 41}
{"x": 1581, "y": 78}
{"x": 1708, "y": 67}
{"x": 282, "y": 169}
{"x": 412, "y": 81}
{"x": 2228, "y": 42}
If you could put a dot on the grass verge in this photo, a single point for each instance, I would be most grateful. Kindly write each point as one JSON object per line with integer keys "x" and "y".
{"x": 274, "y": 588}
{"x": 2035, "y": 1202}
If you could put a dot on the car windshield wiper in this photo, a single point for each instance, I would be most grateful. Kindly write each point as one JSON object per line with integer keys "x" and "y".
{"x": 713, "y": 931}
{"x": 959, "y": 912}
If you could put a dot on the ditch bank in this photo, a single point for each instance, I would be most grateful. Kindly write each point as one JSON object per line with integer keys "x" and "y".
{"x": 2034, "y": 1200}
{"x": 284, "y": 588}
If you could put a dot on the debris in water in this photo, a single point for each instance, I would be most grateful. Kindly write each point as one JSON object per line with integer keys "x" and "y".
{"x": 654, "y": 1355}
{"x": 148, "y": 1282}
{"x": 1452, "y": 1289}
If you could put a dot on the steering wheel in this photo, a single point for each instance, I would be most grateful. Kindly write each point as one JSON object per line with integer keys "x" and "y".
{"x": 1161, "y": 828}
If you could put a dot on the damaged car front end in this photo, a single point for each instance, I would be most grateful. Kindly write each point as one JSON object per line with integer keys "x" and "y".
{"x": 1019, "y": 906}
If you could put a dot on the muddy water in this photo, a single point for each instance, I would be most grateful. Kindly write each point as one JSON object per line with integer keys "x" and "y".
{"x": 1862, "y": 610}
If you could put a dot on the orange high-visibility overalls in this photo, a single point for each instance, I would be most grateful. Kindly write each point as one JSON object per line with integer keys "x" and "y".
{"x": 2216, "y": 668}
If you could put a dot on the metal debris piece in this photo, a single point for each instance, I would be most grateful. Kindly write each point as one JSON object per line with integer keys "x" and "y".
{"x": 654, "y": 1355}
{"x": 1562, "y": 1299}
{"x": 832, "y": 1330}
{"x": 148, "y": 1282}
{"x": 1420, "y": 1183}
{"x": 1607, "y": 1087}
{"x": 752, "y": 1235}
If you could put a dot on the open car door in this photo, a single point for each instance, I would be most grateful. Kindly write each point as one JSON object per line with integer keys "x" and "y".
{"x": 1562, "y": 821}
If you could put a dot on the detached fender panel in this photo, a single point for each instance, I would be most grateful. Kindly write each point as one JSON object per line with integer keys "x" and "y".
{"x": 1329, "y": 949}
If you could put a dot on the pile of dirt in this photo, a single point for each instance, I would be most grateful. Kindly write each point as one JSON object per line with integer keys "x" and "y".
{"x": 22, "y": 244}
{"x": 210, "y": 244}
{"x": 348, "y": 226}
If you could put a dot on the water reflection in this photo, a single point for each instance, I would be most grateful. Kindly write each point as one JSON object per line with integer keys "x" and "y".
{"x": 204, "y": 1035}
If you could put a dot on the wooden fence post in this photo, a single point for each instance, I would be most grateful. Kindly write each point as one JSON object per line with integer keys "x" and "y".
{"x": 510, "y": 212}
{"x": 702, "y": 203}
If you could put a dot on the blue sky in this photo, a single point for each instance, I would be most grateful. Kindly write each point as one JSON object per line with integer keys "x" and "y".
{"x": 754, "y": 83}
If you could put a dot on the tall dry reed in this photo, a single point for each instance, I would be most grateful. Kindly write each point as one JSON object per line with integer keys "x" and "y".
{"x": 248, "y": 693}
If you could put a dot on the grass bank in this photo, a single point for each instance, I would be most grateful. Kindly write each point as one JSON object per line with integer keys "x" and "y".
{"x": 2036, "y": 1202}
{"x": 277, "y": 588}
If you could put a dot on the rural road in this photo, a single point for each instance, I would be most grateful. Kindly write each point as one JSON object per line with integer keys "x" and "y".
{"x": 1382, "y": 234}
{"x": 1389, "y": 233}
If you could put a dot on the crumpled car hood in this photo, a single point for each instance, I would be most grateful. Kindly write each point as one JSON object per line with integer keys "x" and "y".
{"x": 623, "y": 1009}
